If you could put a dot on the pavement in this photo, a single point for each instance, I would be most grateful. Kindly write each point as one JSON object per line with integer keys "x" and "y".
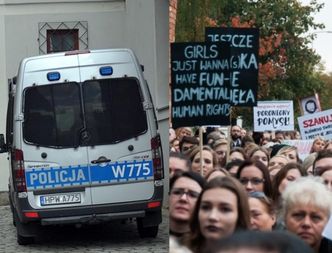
{"x": 4, "y": 199}
{"x": 114, "y": 237}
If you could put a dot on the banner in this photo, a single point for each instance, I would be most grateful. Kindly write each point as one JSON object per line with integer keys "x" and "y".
{"x": 312, "y": 125}
{"x": 244, "y": 45}
{"x": 274, "y": 115}
{"x": 310, "y": 105}
{"x": 203, "y": 86}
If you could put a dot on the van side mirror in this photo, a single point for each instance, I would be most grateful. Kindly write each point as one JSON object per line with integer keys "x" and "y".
{"x": 3, "y": 146}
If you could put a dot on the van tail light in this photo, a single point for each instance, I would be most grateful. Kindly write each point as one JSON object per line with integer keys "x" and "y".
{"x": 31, "y": 214}
{"x": 157, "y": 159}
{"x": 19, "y": 171}
{"x": 154, "y": 204}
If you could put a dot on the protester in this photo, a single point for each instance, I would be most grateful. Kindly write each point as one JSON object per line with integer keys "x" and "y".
{"x": 183, "y": 131}
{"x": 178, "y": 162}
{"x": 260, "y": 154}
{"x": 171, "y": 134}
{"x": 247, "y": 140}
{"x": 233, "y": 166}
{"x": 276, "y": 163}
{"x": 209, "y": 160}
{"x": 213, "y": 136}
{"x": 184, "y": 191}
{"x": 306, "y": 208}
{"x": 244, "y": 132}
{"x": 174, "y": 145}
{"x": 216, "y": 172}
{"x": 236, "y": 136}
{"x": 328, "y": 145}
{"x": 176, "y": 247}
{"x": 291, "y": 153}
{"x": 261, "y": 242}
{"x": 318, "y": 144}
{"x": 187, "y": 143}
{"x": 289, "y": 173}
{"x": 254, "y": 176}
{"x": 322, "y": 161}
{"x": 221, "y": 209}
{"x": 221, "y": 148}
{"x": 326, "y": 174}
{"x": 280, "y": 136}
{"x": 237, "y": 154}
{"x": 262, "y": 212}
{"x": 322, "y": 166}
{"x": 308, "y": 163}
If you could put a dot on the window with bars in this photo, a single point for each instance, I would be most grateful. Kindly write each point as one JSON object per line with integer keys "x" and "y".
{"x": 62, "y": 36}
{"x": 62, "y": 40}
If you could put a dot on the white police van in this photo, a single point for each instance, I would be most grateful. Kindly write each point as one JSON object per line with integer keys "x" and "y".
{"x": 83, "y": 143}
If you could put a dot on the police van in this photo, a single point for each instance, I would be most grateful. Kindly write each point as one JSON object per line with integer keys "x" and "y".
{"x": 83, "y": 143}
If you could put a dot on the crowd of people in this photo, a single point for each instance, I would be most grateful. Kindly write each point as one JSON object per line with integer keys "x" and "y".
{"x": 248, "y": 191}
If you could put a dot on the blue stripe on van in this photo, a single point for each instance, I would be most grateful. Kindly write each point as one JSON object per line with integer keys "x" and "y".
{"x": 43, "y": 178}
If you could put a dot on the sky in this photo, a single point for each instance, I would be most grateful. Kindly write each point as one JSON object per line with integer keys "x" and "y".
{"x": 322, "y": 43}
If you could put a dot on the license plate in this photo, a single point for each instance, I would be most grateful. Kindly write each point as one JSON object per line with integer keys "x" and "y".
{"x": 60, "y": 199}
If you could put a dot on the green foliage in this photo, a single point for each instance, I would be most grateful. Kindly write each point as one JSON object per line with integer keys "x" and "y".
{"x": 288, "y": 18}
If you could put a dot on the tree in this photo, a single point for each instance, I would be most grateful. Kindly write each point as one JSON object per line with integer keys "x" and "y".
{"x": 287, "y": 62}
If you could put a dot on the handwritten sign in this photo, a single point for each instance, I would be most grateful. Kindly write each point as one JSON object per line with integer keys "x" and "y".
{"x": 312, "y": 125}
{"x": 274, "y": 115}
{"x": 244, "y": 44}
{"x": 203, "y": 85}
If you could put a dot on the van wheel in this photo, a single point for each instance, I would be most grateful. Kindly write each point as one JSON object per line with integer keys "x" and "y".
{"x": 24, "y": 240}
{"x": 23, "y": 236}
{"x": 147, "y": 232}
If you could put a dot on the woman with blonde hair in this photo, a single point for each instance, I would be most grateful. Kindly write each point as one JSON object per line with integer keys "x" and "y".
{"x": 306, "y": 209}
{"x": 209, "y": 160}
{"x": 318, "y": 144}
{"x": 291, "y": 153}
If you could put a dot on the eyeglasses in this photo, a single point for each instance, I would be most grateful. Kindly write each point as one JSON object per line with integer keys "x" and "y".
{"x": 189, "y": 193}
{"x": 254, "y": 181}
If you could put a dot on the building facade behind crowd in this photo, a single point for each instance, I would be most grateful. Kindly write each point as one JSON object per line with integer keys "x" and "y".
{"x": 247, "y": 183}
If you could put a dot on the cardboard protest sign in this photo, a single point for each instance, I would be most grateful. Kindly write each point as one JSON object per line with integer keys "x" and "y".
{"x": 202, "y": 84}
{"x": 273, "y": 115}
{"x": 312, "y": 125}
{"x": 244, "y": 45}
{"x": 303, "y": 146}
{"x": 310, "y": 105}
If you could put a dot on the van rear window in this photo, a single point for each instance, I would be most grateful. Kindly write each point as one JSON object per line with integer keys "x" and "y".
{"x": 95, "y": 112}
{"x": 52, "y": 115}
{"x": 113, "y": 109}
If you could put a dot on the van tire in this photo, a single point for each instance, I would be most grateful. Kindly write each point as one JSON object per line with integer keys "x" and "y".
{"x": 147, "y": 232}
{"x": 22, "y": 232}
{"x": 24, "y": 240}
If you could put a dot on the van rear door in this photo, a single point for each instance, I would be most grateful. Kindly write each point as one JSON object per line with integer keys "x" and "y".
{"x": 56, "y": 166}
{"x": 119, "y": 150}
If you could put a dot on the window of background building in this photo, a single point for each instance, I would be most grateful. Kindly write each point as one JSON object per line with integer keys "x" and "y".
{"x": 62, "y": 36}
{"x": 62, "y": 40}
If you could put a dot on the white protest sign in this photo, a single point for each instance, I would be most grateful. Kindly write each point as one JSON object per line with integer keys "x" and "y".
{"x": 303, "y": 146}
{"x": 312, "y": 125}
{"x": 327, "y": 232}
{"x": 273, "y": 115}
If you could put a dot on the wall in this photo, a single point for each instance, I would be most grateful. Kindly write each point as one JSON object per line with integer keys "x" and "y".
{"x": 138, "y": 24}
